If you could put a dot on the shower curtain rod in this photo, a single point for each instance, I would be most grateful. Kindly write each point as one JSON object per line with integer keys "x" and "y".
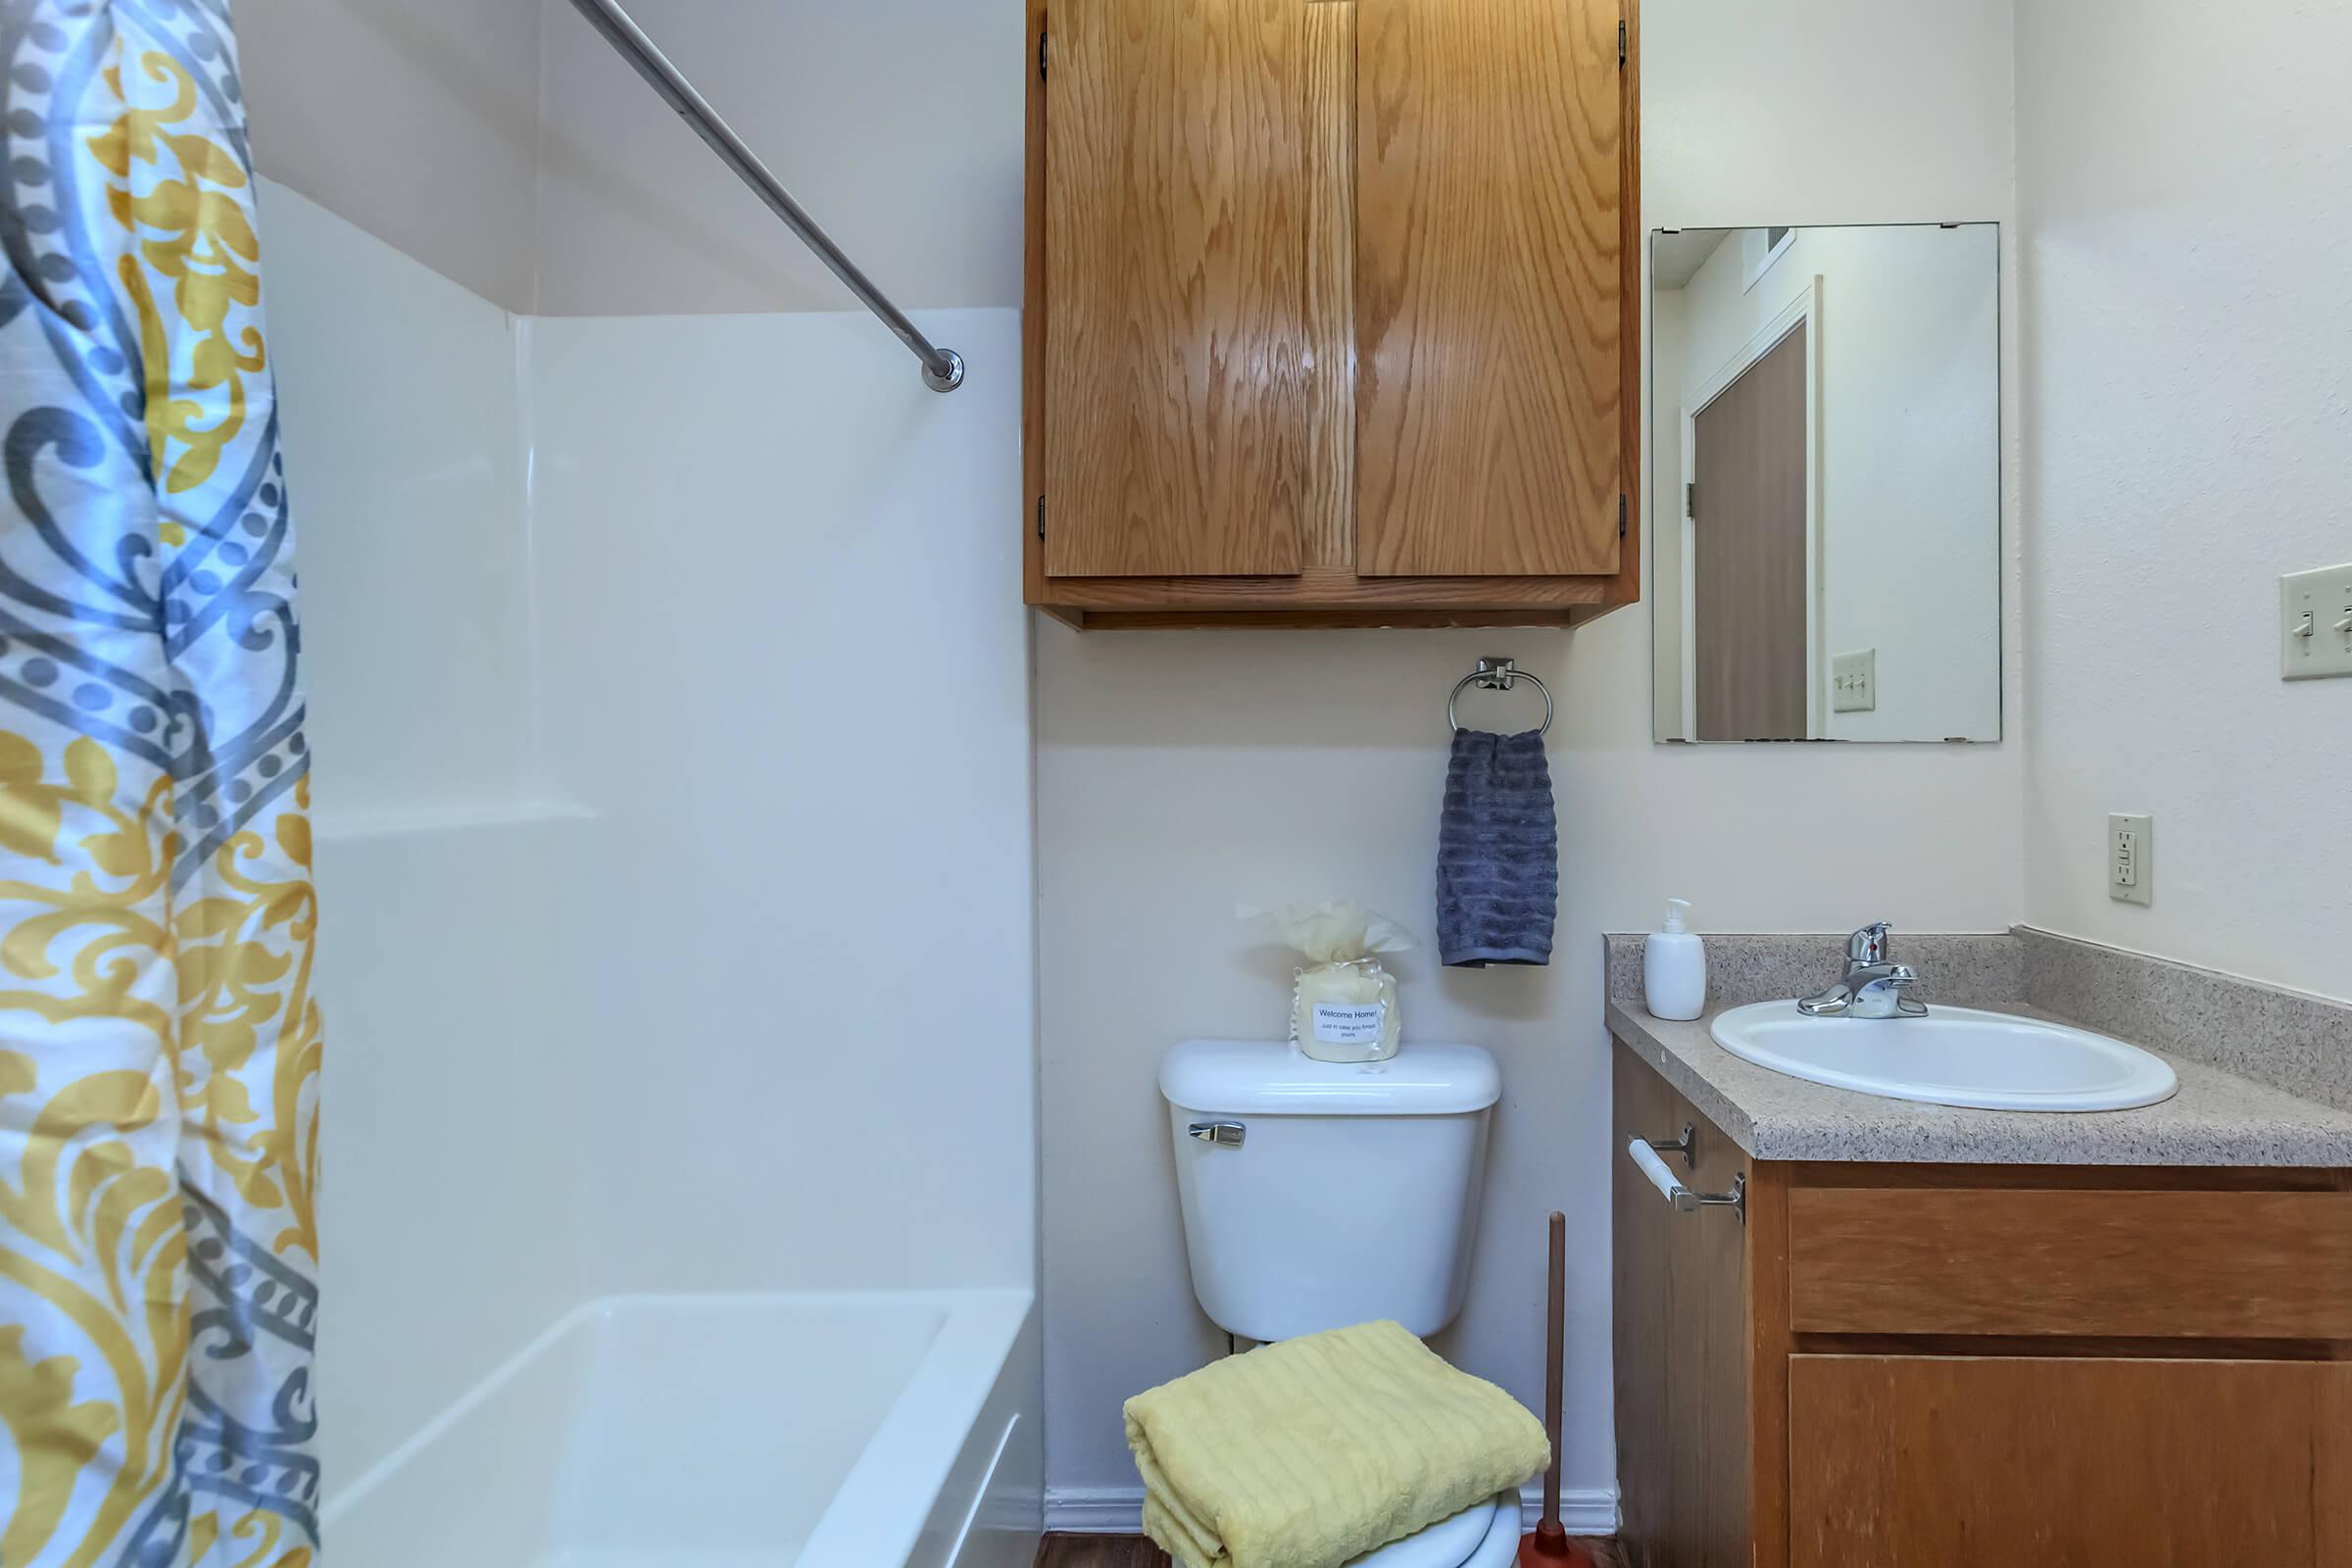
{"x": 943, "y": 368}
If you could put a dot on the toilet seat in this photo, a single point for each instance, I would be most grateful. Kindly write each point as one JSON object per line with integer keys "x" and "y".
{"x": 1484, "y": 1534}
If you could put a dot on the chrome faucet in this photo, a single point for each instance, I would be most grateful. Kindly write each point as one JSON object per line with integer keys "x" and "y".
{"x": 1873, "y": 984}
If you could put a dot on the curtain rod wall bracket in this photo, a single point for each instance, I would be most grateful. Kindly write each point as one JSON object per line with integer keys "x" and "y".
{"x": 943, "y": 368}
{"x": 946, "y": 379}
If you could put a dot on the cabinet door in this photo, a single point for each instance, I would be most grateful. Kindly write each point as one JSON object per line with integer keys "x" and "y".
{"x": 1643, "y": 1233}
{"x": 1683, "y": 1430}
{"x": 1925, "y": 1459}
{"x": 1487, "y": 288}
{"x": 1174, "y": 424}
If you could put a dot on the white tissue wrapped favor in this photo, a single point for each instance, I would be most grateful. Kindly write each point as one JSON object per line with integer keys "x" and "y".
{"x": 1343, "y": 1007}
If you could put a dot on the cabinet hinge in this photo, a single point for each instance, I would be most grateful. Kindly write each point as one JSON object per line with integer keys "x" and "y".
{"x": 1621, "y": 41}
{"x": 1690, "y": 500}
{"x": 1041, "y": 54}
{"x": 1620, "y": 513}
{"x": 1041, "y": 516}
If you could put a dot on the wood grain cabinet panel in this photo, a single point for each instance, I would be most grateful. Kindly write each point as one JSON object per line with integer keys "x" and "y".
{"x": 1681, "y": 1343}
{"x": 2120, "y": 1264}
{"x": 1331, "y": 312}
{"x": 1927, "y": 1459}
{"x": 1486, "y": 266}
{"x": 1175, "y": 429}
{"x": 1646, "y": 1328}
{"x": 1912, "y": 1366}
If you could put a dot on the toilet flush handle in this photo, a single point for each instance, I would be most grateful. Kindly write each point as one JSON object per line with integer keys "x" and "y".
{"x": 1225, "y": 1134}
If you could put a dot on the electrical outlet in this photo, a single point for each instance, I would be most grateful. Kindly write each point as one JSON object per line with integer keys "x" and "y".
{"x": 2315, "y": 623}
{"x": 2130, "y": 857}
{"x": 1854, "y": 682}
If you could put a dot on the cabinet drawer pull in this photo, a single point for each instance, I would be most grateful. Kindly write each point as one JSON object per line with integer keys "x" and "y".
{"x": 1645, "y": 1159}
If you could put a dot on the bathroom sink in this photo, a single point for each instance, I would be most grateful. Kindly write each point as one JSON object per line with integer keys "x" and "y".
{"x": 1951, "y": 1056}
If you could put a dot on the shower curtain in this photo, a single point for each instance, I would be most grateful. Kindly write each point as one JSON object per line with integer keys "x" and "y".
{"x": 159, "y": 1039}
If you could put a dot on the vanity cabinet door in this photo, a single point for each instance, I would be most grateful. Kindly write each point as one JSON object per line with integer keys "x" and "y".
{"x": 1684, "y": 1443}
{"x": 1643, "y": 1235}
{"x": 1990, "y": 1460}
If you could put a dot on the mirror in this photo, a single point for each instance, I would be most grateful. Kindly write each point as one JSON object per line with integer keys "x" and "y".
{"x": 1826, "y": 462}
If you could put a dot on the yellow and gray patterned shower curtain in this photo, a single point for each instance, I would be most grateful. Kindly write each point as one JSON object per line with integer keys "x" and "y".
{"x": 159, "y": 1039}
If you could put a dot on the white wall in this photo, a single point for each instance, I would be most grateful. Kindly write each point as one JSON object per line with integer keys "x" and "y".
{"x": 2189, "y": 436}
{"x": 1177, "y": 772}
{"x": 449, "y": 1213}
{"x": 1825, "y": 111}
{"x": 505, "y": 145}
{"x": 787, "y": 666}
{"x": 896, "y": 122}
{"x": 1908, "y": 344}
{"x": 417, "y": 120}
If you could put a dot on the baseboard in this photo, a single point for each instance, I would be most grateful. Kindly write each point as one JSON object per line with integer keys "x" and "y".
{"x": 1095, "y": 1510}
{"x": 1120, "y": 1510}
{"x": 1589, "y": 1512}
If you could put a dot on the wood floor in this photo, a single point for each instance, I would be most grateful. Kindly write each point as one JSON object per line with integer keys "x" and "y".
{"x": 1100, "y": 1551}
{"x": 1134, "y": 1551}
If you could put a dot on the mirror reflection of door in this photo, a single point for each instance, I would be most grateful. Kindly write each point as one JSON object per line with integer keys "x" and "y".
{"x": 1748, "y": 533}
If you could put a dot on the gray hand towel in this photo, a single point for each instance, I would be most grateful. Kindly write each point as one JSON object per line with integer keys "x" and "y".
{"x": 1499, "y": 852}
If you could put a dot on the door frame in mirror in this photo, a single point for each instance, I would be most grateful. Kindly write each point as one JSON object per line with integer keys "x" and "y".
{"x": 1805, "y": 310}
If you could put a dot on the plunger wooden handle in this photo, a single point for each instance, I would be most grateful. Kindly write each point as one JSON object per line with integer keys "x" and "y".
{"x": 1550, "y": 1546}
{"x": 1556, "y": 1336}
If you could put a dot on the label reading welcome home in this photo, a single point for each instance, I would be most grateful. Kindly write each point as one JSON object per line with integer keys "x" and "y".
{"x": 1340, "y": 1024}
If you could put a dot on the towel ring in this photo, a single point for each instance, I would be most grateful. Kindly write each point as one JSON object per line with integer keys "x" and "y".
{"x": 1497, "y": 675}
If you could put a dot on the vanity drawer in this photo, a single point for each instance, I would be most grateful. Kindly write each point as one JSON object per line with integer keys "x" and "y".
{"x": 2028, "y": 1262}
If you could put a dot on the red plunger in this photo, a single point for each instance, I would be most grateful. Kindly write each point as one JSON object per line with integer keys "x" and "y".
{"x": 1550, "y": 1546}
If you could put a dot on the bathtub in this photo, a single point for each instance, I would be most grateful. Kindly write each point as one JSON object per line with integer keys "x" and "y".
{"x": 872, "y": 1429}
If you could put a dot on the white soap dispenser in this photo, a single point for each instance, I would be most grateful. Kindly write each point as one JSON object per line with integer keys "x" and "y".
{"x": 1674, "y": 967}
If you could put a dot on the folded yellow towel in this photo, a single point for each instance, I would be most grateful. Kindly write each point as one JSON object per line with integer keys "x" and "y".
{"x": 1306, "y": 1453}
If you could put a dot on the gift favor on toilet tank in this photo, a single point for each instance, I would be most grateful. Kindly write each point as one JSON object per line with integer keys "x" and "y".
{"x": 1344, "y": 1002}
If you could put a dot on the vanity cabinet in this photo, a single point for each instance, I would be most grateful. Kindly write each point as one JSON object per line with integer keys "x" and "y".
{"x": 1332, "y": 312}
{"x": 1931, "y": 1364}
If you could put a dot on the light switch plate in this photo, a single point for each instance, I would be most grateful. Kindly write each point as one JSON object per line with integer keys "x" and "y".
{"x": 2315, "y": 623}
{"x": 2130, "y": 857}
{"x": 1854, "y": 682}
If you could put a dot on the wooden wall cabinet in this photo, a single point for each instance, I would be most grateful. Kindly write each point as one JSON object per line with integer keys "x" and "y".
{"x": 1332, "y": 312}
{"x": 1949, "y": 1364}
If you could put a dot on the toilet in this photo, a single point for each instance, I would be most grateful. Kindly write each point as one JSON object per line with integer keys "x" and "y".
{"x": 1317, "y": 1195}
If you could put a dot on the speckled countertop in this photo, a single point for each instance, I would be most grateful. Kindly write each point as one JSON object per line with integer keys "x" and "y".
{"x": 2217, "y": 1118}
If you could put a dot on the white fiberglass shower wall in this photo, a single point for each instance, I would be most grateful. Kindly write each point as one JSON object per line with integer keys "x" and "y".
{"x": 670, "y": 682}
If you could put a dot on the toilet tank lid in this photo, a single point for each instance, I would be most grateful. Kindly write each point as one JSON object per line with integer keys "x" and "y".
{"x": 1272, "y": 1078}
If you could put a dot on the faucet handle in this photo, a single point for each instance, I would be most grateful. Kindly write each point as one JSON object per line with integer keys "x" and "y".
{"x": 1873, "y": 944}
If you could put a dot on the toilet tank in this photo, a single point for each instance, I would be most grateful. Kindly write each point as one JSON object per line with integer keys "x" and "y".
{"x": 1321, "y": 1194}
